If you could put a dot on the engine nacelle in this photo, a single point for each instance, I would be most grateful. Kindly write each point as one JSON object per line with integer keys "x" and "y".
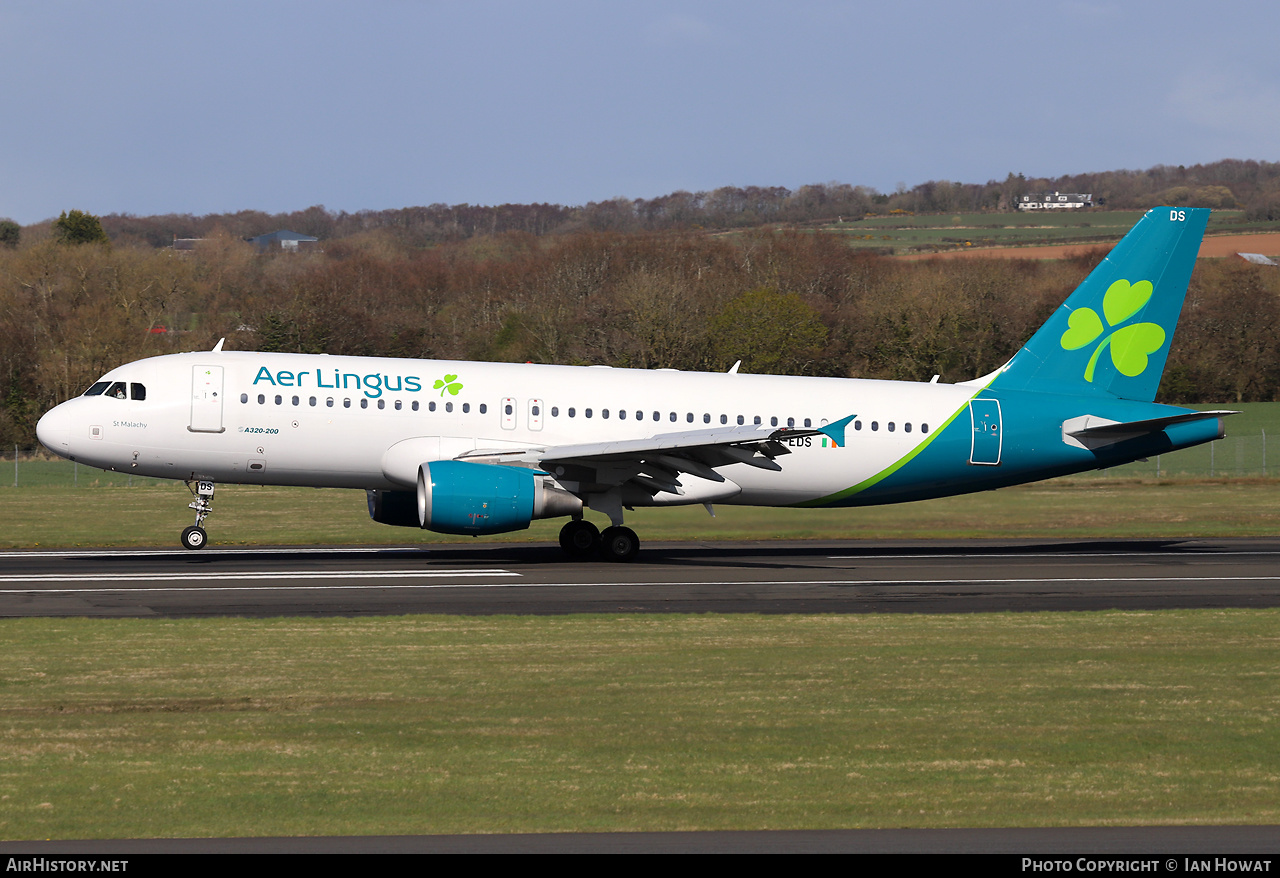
{"x": 457, "y": 497}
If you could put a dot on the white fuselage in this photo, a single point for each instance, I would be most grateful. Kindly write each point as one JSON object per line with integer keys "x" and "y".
{"x": 331, "y": 421}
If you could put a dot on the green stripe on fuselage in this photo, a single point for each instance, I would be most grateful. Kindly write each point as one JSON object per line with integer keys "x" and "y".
{"x": 839, "y": 496}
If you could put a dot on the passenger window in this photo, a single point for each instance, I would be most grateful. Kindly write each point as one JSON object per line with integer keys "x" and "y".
{"x": 364, "y": 403}
{"x": 622, "y": 414}
{"x": 279, "y": 399}
{"x": 466, "y": 408}
{"x": 244, "y": 397}
{"x": 604, "y": 413}
{"x": 399, "y": 405}
{"x": 808, "y": 422}
{"x": 906, "y": 427}
{"x": 431, "y": 406}
{"x": 756, "y": 421}
{"x": 555, "y": 411}
{"x": 724, "y": 419}
{"x": 587, "y": 412}
{"x": 296, "y": 400}
{"x": 484, "y": 408}
{"x": 657, "y": 416}
{"x": 857, "y": 425}
{"x": 328, "y": 402}
{"x": 571, "y": 412}
{"x": 448, "y": 406}
{"x": 791, "y": 422}
{"x": 891, "y": 426}
{"x": 414, "y": 405}
{"x": 382, "y": 403}
{"x": 773, "y": 422}
{"x": 706, "y": 418}
{"x": 924, "y": 428}
{"x": 312, "y": 402}
{"x": 741, "y": 420}
{"x": 875, "y": 425}
{"x": 673, "y": 417}
{"x": 138, "y": 392}
{"x": 346, "y": 403}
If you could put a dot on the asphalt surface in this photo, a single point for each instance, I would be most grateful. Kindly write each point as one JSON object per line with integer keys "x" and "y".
{"x": 745, "y": 577}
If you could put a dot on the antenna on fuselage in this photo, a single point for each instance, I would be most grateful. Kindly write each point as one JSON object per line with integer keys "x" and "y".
{"x": 217, "y": 349}
{"x": 733, "y": 370}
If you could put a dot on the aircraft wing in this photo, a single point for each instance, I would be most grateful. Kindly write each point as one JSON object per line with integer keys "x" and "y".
{"x": 659, "y": 463}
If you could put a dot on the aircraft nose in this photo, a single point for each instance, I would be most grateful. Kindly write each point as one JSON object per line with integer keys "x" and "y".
{"x": 54, "y": 430}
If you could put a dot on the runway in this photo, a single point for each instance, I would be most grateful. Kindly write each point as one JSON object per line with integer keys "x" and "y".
{"x": 728, "y": 577}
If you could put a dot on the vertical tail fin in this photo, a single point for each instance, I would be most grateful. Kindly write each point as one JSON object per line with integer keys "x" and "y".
{"x": 1112, "y": 335}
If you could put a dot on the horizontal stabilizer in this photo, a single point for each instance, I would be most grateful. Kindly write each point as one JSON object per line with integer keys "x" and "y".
{"x": 1091, "y": 431}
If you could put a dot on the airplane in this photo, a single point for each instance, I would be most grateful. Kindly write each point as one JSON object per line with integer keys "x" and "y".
{"x": 485, "y": 448}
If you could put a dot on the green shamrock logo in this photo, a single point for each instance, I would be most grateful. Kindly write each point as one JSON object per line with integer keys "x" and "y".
{"x": 1130, "y": 345}
{"x": 449, "y": 383}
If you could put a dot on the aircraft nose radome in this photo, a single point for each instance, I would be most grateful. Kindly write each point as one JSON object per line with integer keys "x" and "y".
{"x": 54, "y": 430}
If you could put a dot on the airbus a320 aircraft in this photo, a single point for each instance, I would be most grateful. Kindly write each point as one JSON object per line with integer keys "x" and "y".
{"x": 485, "y": 448}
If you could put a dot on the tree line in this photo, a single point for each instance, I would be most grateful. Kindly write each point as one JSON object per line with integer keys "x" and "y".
{"x": 1231, "y": 183}
{"x": 790, "y": 302}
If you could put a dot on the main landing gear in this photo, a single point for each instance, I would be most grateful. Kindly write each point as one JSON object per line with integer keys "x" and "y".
{"x": 581, "y": 539}
{"x": 195, "y": 537}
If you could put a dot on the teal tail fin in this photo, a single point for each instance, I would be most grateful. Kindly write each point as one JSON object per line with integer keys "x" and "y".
{"x": 1112, "y": 335}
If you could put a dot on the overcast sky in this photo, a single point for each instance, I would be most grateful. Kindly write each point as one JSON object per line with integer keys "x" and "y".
{"x": 158, "y": 107}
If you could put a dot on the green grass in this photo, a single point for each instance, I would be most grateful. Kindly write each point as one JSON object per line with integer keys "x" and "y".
{"x": 137, "y": 728}
{"x": 1085, "y": 508}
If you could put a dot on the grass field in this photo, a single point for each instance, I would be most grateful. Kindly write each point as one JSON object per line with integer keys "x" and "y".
{"x": 1085, "y": 508}
{"x": 905, "y": 234}
{"x": 223, "y": 727}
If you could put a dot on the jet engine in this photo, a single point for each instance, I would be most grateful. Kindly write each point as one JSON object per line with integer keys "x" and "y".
{"x": 456, "y": 497}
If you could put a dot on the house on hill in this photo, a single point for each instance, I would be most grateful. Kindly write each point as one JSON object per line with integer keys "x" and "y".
{"x": 284, "y": 239}
{"x": 1054, "y": 201}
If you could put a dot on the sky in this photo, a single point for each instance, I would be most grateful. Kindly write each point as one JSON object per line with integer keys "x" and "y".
{"x": 149, "y": 107}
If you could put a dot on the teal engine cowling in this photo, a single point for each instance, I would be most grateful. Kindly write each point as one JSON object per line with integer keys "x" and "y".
{"x": 457, "y": 497}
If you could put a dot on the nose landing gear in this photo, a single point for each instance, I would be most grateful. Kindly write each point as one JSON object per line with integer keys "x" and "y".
{"x": 195, "y": 537}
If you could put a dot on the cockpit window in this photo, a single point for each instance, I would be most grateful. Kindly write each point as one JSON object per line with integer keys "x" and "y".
{"x": 137, "y": 391}
{"x": 97, "y": 388}
{"x": 117, "y": 390}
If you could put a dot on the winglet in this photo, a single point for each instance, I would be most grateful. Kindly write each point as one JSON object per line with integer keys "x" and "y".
{"x": 835, "y": 430}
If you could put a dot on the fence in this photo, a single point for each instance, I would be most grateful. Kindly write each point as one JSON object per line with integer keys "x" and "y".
{"x": 1232, "y": 457}
{"x": 32, "y": 468}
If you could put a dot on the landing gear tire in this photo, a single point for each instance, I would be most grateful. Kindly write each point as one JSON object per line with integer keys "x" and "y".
{"x": 194, "y": 538}
{"x": 619, "y": 544}
{"x": 579, "y": 538}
